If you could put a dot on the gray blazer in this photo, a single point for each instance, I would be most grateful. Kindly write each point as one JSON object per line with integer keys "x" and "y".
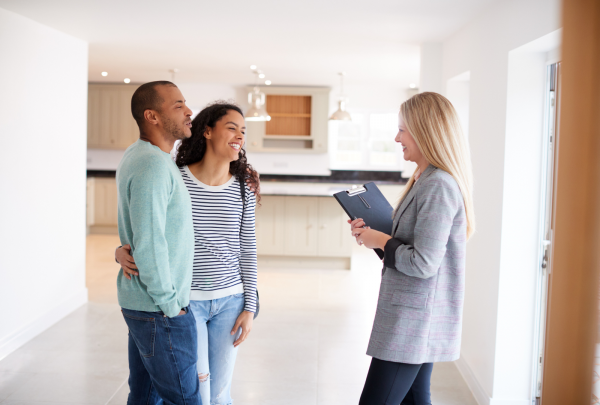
{"x": 419, "y": 311}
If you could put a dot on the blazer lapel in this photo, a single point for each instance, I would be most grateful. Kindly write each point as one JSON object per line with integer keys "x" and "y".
{"x": 410, "y": 196}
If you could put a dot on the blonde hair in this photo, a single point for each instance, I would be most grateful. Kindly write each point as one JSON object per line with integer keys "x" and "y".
{"x": 433, "y": 123}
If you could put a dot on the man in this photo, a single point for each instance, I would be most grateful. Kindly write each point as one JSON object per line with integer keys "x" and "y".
{"x": 155, "y": 218}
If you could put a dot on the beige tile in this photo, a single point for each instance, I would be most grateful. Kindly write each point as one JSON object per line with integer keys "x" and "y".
{"x": 351, "y": 368}
{"x": 363, "y": 319}
{"x": 28, "y": 361}
{"x": 284, "y": 330}
{"x": 272, "y": 393}
{"x": 285, "y": 303}
{"x": 288, "y": 368}
{"x": 68, "y": 389}
{"x": 15, "y": 402}
{"x": 345, "y": 332}
{"x": 10, "y": 382}
{"x": 339, "y": 394}
{"x": 272, "y": 314}
{"x": 93, "y": 364}
{"x": 101, "y": 269}
{"x": 301, "y": 350}
{"x": 307, "y": 346}
{"x": 120, "y": 397}
{"x": 448, "y": 386}
{"x": 79, "y": 341}
{"x": 337, "y": 349}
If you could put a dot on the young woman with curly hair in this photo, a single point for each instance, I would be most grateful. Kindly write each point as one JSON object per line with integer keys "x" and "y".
{"x": 223, "y": 299}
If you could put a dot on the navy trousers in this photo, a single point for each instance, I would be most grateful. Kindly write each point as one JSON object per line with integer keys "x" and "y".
{"x": 163, "y": 353}
{"x": 390, "y": 383}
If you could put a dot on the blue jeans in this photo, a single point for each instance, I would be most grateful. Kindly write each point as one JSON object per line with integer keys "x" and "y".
{"x": 162, "y": 359}
{"x": 216, "y": 355}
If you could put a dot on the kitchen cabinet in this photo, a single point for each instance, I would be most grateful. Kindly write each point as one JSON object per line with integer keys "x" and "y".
{"x": 110, "y": 123}
{"x": 270, "y": 225}
{"x": 301, "y": 216}
{"x": 299, "y": 121}
{"x": 296, "y": 226}
{"x": 286, "y": 226}
{"x": 333, "y": 230}
{"x": 102, "y": 205}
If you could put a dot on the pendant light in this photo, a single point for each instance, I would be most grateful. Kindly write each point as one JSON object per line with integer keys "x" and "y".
{"x": 341, "y": 114}
{"x": 256, "y": 99}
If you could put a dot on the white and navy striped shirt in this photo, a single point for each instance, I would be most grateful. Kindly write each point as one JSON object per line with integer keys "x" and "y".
{"x": 224, "y": 257}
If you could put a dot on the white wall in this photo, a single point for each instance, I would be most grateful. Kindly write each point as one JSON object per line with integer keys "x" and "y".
{"x": 458, "y": 91}
{"x": 505, "y": 124}
{"x": 432, "y": 56}
{"x": 43, "y": 77}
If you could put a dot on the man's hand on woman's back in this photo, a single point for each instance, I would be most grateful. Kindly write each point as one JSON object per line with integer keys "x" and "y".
{"x": 123, "y": 257}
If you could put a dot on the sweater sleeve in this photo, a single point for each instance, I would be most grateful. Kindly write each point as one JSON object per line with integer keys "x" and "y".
{"x": 248, "y": 262}
{"x": 437, "y": 204}
{"x": 150, "y": 191}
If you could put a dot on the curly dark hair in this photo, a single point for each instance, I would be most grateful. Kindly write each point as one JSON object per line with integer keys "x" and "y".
{"x": 192, "y": 149}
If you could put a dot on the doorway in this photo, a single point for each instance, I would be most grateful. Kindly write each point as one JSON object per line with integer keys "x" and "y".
{"x": 550, "y": 158}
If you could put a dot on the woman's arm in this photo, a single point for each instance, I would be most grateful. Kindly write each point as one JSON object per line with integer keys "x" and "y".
{"x": 248, "y": 261}
{"x": 248, "y": 269}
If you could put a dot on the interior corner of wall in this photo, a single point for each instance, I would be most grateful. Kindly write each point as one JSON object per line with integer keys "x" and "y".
{"x": 481, "y": 396}
{"x": 43, "y": 321}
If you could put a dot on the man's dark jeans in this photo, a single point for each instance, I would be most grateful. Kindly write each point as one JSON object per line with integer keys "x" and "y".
{"x": 162, "y": 358}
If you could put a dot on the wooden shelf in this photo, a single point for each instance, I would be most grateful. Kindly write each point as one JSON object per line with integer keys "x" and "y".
{"x": 291, "y": 115}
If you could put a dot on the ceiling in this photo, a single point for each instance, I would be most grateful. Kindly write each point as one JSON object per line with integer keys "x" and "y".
{"x": 305, "y": 42}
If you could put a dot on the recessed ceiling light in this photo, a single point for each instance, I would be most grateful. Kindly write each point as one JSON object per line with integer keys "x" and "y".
{"x": 412, "y": 85}
{"x": 104, "y": 74}
{"x": 253, "y": 67}
{"x": 268, "y": 82}
{"x": 261, "y": 76}
{"x": 126, "y": 80}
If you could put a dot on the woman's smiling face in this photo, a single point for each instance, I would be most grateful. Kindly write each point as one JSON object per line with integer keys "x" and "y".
{"x": 409, "y": 146}
{"x": 227, "y": 137}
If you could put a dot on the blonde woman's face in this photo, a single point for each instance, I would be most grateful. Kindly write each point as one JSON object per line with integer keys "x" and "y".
{"x": 409, "y": 146}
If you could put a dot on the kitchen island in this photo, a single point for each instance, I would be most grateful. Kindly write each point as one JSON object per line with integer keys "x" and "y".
{"x": 302, "y": 225}
{"x": 298, "y": 224}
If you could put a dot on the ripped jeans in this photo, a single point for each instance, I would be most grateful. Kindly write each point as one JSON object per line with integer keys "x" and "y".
{"x": 216, "y": 354}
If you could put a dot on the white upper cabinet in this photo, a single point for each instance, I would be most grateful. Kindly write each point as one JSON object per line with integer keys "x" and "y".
{"x": 110, "y": 123}
{"x": 298, "y": 123}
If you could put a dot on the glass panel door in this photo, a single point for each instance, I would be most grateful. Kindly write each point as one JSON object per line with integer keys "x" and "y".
{"x": 547, "y": 219}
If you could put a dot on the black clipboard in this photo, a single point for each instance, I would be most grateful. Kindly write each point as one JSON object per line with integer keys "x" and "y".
{"x": 368, "y": 203}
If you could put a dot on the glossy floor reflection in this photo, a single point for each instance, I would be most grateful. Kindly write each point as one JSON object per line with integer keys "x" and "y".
{"x": 307, "y": 346}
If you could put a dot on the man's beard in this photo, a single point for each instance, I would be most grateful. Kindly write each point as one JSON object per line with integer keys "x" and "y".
{"x": 172, "y": 129}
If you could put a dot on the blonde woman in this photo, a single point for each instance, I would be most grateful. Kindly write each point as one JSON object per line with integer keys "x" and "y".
{"x": 419, "y": 312}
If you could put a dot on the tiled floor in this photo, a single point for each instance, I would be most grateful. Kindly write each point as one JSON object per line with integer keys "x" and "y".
{"x": 307, "y": 346}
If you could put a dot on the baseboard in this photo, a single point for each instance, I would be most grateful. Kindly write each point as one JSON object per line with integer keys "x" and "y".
{"x": 18, "y": 338}
{"x": 303, "y": 262}
{"x": 479, "y": 393}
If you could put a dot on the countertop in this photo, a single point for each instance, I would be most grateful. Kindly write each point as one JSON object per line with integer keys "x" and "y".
{"x": 391, "y": 192}
{"x": 304, "y": 188}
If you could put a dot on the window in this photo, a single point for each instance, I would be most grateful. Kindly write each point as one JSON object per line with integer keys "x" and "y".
{"x": 365, "y": 143}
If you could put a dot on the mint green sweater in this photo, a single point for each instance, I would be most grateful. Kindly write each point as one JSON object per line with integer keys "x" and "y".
{"x": 155, "y": 218}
